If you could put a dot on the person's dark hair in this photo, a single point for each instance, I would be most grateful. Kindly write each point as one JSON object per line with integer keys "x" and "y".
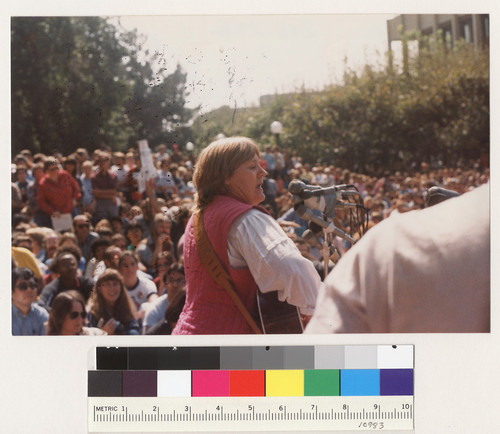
{"x": 174, "y": 268}
{"x": 123, "y": 310}
{"x": 134, "y": 224}
{"x": 99, "y": 242}
{"x": 128, "y": 254}
{"x": 110, "y": 252}
{"x": 165, "y": 255}
{"x": 19, "y": 218}
{"x": 50, "y": 161}
{"x": 62, "y": 306}
{"x": 60, "y": 252}
{"x": 174, "y": 309}
{"x": 19, "y": 238}
{"x": 21, "y": 273}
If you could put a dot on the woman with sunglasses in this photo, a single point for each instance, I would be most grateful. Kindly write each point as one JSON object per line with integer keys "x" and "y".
{"x": 110, "y": 307}
{"x": 58, "y": 192}
{"x": 68, "y": 316}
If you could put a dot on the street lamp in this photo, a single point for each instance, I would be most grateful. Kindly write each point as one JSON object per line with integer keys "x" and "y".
{"x": 189, "y": 146}
{"x": 219, "y": 136}
{"x": 277, "y": 129}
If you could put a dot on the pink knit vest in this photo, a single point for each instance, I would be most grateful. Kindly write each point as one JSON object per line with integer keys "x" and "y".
{"x": 208, "y": 308}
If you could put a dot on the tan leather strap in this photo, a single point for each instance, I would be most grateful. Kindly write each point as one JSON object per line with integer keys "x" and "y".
{"x": 215, "y": 269}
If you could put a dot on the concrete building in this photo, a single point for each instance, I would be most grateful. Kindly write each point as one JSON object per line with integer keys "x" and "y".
{"x": 471, "y": 28}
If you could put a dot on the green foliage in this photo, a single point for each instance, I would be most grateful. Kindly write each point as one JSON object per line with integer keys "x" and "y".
{"x": 80, "y": 82}
{"x": 380, "y": 119}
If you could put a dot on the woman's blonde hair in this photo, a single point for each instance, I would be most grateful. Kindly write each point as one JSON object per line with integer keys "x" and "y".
{"x": 217, "y": 162}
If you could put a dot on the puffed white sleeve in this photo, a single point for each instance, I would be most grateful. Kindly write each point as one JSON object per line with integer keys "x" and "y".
{"x": 256, "y": 241}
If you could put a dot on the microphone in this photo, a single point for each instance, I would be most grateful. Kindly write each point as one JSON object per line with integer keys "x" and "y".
{"x": 307, "y": 214}
{"x": 305, "y": 191}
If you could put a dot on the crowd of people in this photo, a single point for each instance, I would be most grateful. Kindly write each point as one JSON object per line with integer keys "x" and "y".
{"x": 99, "y": 248}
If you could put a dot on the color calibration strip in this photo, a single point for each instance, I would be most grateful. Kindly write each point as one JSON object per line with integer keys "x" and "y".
{"x": 246, "y": 388}
{"x": 251, "y": 383}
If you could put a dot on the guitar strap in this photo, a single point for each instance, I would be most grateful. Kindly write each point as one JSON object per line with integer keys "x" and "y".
{"x": 215, "y": 269}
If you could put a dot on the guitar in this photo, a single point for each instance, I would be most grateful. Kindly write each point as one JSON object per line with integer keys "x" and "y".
{"x": 278, "y": 317}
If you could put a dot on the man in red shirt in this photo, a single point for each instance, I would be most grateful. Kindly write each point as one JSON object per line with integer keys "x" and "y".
{"x": 58, "y": 190}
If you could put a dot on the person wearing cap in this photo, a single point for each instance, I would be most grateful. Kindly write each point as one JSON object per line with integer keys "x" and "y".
{"x": 28, "y": 319}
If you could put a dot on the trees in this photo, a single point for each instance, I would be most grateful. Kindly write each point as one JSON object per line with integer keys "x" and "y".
{"x": 380, "y": 119}
{"x": 81, "y": 82}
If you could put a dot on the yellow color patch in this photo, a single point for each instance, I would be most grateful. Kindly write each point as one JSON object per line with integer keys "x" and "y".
{"x": 285, "y": 382}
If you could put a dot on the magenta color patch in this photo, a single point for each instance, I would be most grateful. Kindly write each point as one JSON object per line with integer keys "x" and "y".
{"x": 210, "y": 383}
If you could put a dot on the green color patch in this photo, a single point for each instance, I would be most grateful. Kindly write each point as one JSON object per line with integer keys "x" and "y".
{"x": 322, "y": 382}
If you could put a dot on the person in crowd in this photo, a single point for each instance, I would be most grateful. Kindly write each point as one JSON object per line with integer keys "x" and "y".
{"x": 110, "y": 259}
{"x": 70, "y": 165}
{"x": 172, "y": 313}
{"x": 135, "y": 235}
{"x": 158, "y": 241}
{"x": 180, "y": 219}
{"x": 139, "y": 288}
{"x": 134, "y": 182}
{"x": 58, "y": 191}
{"x": 119, "y": 169}
{"x": 39, "y": 217}
{"x": 173, "y": 281}
{"x": 104, "y": 189}
{"x": 99, "y": 246}
{"x": 119, "y": 241}
{"x": 68, "y": 316}
{"x": 85, "y": 237}
{"x": 24, "y": 258}
{"x": 421, "y": 271}
{"x": 164, "y": 182}
{"x": 65, "y": 266}
{"x": 87, "y": 201}
{"x": 68, "y": 241}
{"x": 37, "y": 236}
{"x": 103, "y": 228}
{"x": 160, "y": 266}
{"x": 22, "y": 182}
{"x": 162, "y": 152}
{"x": 268, "y": 157}
{"x": 248, "y": 241}
{"x": 28, "y": 319}
{"x": 110, "y": 307}
{"x": 51, "y": 244}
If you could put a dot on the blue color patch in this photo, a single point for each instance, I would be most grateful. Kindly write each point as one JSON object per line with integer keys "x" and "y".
{"x": 360, "y": 382}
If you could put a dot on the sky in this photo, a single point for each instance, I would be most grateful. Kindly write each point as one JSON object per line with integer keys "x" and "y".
{"x": 234, "y": 59}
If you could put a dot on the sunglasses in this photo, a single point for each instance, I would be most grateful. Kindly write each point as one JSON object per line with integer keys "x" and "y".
{"x": 23, "y": 286}
{"x": 83, "y": 225}
{"x": 75, "y": 314}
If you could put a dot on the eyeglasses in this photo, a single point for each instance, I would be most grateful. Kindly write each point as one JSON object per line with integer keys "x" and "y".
{"x": 75, "y": 314}
{"x": 23, "y": 286}
{"x": 83, "y": 225}
{"x": 51, "y": 169}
